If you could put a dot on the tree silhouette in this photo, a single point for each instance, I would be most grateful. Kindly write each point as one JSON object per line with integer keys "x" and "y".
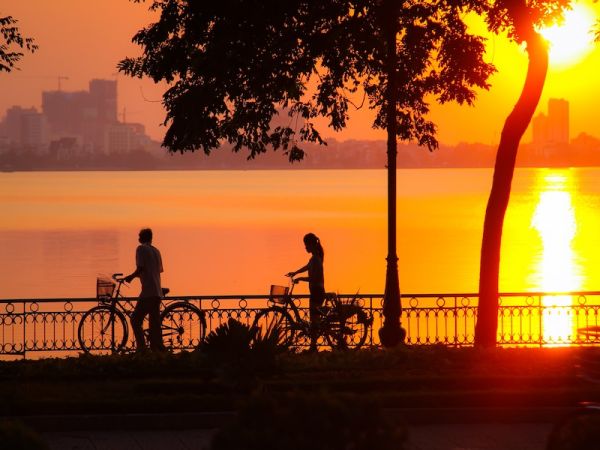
{"x": 232, "y": 65}
{"x": 11, "y": 36}
{"x": 519, "y": 18}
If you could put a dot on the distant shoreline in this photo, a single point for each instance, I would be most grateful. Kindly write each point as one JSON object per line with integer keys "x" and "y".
{"x": 583, "y": 151}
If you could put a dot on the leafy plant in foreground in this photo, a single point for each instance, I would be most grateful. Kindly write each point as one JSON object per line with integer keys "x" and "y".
{"x": 240, "y": 346}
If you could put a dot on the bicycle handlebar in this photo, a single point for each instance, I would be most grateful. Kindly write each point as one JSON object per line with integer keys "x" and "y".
{"x": 292, "y": 284}
{"x": 119, "y": 278}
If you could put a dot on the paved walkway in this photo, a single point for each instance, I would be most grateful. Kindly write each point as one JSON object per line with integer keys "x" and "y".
{"x": 479, "y": 436}
{"x": 482, "y": 436}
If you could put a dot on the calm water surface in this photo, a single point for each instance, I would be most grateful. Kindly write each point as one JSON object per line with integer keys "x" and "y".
{"x": 232, "y": 232}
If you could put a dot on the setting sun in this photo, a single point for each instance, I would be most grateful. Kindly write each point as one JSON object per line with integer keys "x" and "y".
{"x": 571, "y": 39}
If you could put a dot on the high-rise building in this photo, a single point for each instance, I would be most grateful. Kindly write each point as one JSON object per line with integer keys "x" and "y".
{"x": 25, "y": 126}
{"x": 551, "y": 132}
{"x": 558, "y": 121}
{"x": 66, "y": 112}
{"x": 81, "y": 121}
{"x": 103, "y": 94}
{"x": 125, "y": 137}
{"x": 33, "y": 130}
{"x": 84, "y": 114}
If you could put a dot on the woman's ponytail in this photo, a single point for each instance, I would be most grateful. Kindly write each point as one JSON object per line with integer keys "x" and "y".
{"x": 312, "y": 239}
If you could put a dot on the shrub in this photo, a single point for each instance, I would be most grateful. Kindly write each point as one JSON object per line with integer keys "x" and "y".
{"x": 241, "y": 347}
{"x": 228, "y": 341}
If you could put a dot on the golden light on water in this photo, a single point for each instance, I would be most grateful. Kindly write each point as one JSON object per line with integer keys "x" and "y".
{"x": 554, "y": 220}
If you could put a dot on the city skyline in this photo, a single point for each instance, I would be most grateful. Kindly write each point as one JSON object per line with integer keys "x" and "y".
{"x": 92, "y": 117}
{"x": 81, "y": 130}
{"x": 84, "y": 120}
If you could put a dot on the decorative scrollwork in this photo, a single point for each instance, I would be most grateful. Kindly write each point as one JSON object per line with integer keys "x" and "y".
{"x": 42, "y": 325}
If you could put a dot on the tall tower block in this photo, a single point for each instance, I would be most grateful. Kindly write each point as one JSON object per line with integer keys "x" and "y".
{"x": 558, "y": 121}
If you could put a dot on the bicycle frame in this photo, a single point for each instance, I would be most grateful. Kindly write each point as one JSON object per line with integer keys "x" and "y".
{"x": 290, "y": 306}
{"x": 340, "y": 325}
{"x": 116, "y": 300}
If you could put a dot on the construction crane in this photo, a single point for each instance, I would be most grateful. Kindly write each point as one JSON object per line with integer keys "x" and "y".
{"x": 60, "y": 77}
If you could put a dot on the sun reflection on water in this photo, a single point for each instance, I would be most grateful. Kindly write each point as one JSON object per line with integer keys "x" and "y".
{"x": 554, "y": 220}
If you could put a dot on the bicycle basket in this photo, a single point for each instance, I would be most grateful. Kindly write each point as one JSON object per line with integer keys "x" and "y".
{"x": 104, "y": 288}
{"x": 278, "y": 293}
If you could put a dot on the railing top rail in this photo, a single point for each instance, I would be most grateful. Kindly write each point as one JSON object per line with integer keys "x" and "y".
{"x": 95, "y": 299}
{"x": 135, "y": 298}
{"x": 263, "y": 296}
{"x": 505, "y": 294}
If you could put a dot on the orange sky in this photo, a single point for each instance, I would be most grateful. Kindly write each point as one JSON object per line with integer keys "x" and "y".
{"x": 84, "y": 40}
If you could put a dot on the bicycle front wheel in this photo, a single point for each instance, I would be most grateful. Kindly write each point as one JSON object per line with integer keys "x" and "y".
{"x": 276, "y": 320}
{"x": 102, "y": 330}
{"x": 348, "y": 327}
{"x": 183, "y": 326}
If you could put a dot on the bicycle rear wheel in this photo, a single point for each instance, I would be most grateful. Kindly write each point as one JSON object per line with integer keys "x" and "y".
{"x": 348, "y": 327}
{"x": 183, "y": 326}
{"x": 276, "y": 320}
{"x": 103, "y": 330}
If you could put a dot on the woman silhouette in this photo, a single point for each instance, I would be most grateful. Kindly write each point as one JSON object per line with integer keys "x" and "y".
{"x": 315, "y": 279}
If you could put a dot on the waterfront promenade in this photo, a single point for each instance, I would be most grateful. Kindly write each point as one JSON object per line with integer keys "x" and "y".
{"x": 38, "y": 328}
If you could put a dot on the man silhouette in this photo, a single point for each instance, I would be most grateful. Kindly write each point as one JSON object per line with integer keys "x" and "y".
{"x": 148, "y": 268}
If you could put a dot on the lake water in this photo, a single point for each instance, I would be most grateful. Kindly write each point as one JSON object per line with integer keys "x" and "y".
{"x": 237, "y": 232}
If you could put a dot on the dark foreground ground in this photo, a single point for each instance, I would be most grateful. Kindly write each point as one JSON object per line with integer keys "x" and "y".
{"x": 489, "y": 436}
{"x": 408, "y": 377}
{"x": 443, "y": 398}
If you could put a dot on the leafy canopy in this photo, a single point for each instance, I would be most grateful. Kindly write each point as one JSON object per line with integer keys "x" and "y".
{"x": 10, "y": 35}
{"x": 233, "y": 65}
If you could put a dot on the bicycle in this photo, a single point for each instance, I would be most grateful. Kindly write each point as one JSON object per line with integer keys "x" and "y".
{"x": 104, "y": 328}
{"x": 340, "y": 325}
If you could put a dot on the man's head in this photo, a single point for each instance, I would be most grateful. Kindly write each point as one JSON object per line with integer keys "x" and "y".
{"x": 145, "y": 236}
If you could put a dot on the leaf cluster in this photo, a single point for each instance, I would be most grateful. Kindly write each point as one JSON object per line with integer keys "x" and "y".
{"x": 520, "y": 18}
{"x": 235, "y": 65}
{"x": 237, "y": 347}
{"x": 10, "y": 36}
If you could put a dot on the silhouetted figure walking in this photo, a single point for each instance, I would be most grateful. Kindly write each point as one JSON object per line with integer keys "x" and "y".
{"x": 315, "y": 279}
{"x": 148, "y": 268}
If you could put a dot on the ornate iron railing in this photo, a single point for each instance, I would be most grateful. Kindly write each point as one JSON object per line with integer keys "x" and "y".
{"x": 48, "y": 327}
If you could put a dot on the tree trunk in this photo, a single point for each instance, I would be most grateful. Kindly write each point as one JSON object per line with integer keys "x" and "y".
{"x": 391, "y": 334}
{"x": 486, "y": 329}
